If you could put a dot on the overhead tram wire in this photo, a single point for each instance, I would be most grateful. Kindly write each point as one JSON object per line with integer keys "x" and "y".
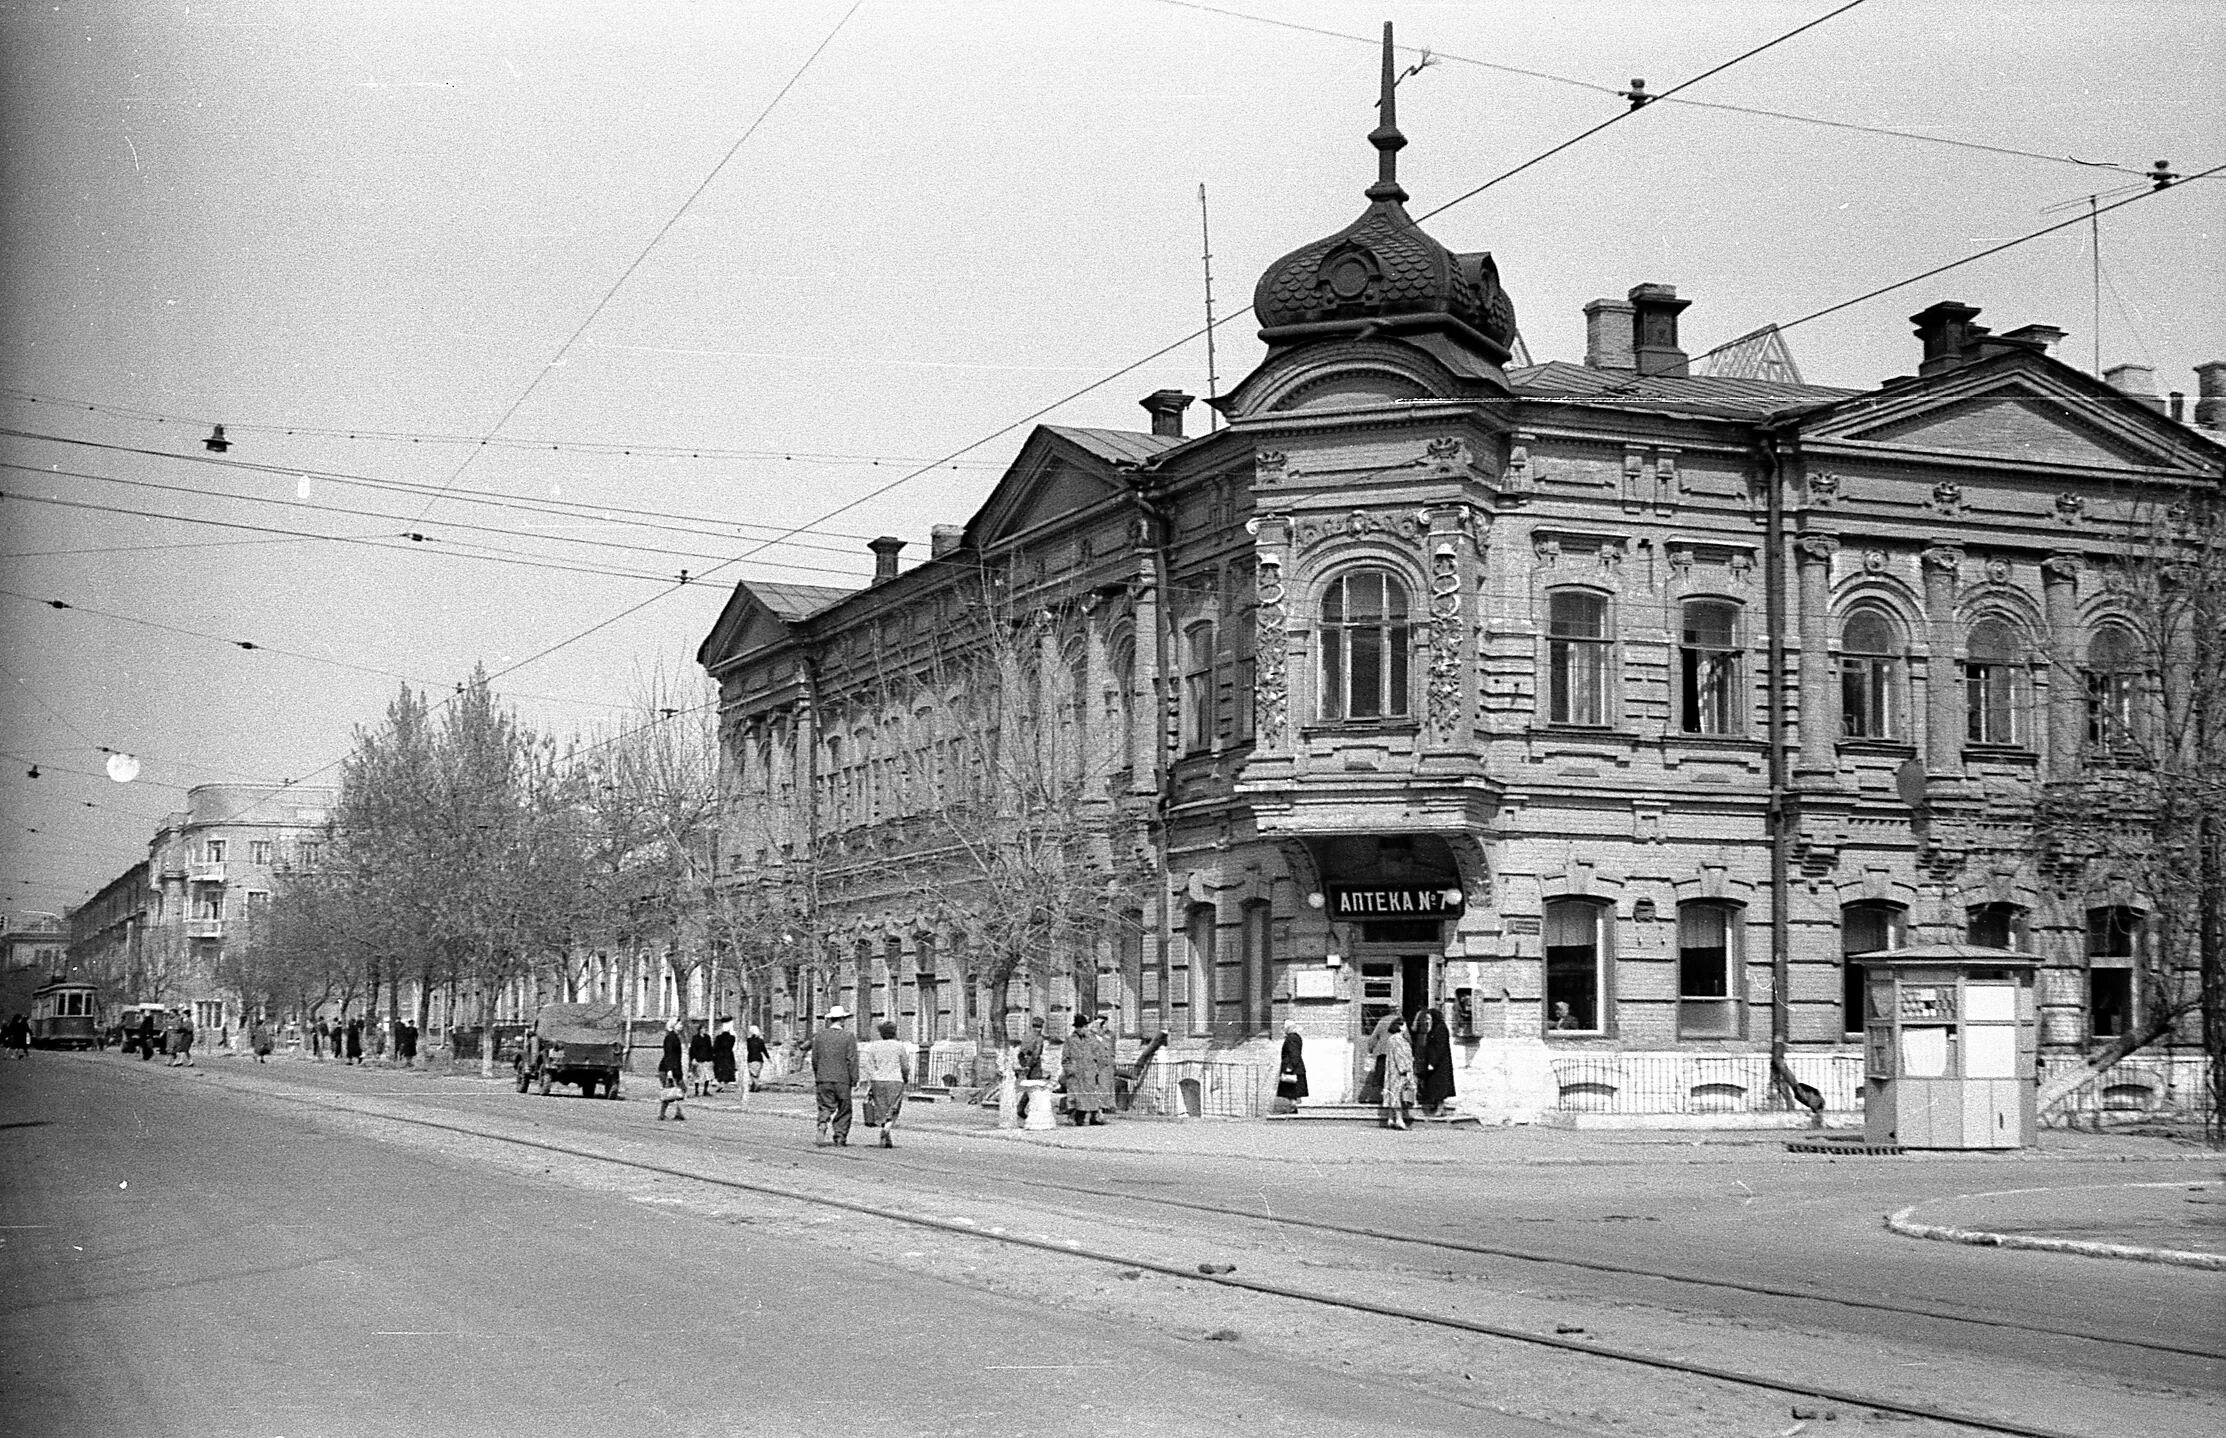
{"x": 611, "y": 448}
{"x": 662, "y": 230}
{"x": 2079, "y": 219}
{"x": 1611, "y": 90}
{"x": 1038, "y": 413}
{"x": 700, "y": 525}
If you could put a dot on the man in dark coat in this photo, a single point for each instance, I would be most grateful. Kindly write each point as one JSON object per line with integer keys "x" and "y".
{"x": 671, "y": 1084}
{"x": 722, "y": 1055}
{"x": 699, "y": 1062}
{"x": 1290, "y": 1079}
{"x": 355, "y": 1041}
{"x": 1433, "y": 1061}
{"x": 146, "y": 1037}
{"x": 834, "y": 1052}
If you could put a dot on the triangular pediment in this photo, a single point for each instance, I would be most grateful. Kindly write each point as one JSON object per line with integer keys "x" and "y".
{"x": 745, "y": 626}
{"x": 2023, "y": 409}
{"x": 1052, "y": 480}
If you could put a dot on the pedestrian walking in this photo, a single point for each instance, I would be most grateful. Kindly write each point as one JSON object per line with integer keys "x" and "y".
{"x": 1290, "y": 1078}
{"x": 405, "y": 1041}
{"x": 834, "y": 1053}
{"x": 671, "y": 1082}
{"x": 1372, "y": 1087}
{"x": 754, "y": 1053}
{"x": 318, "y": 1033}
{"x": 1433, "y": 1061}
{"x": 886, "y": 1066}
{"x": 1398, "y": 1077}
{"x": 1088, "y": 1075}
{"x": 259, "y": 1039}
{"x": 355, "y": 1041}
{"x": 1028, "y": 1062}
{"x": 722, "y": 1057}
{"x": 699, "y": 1062}
{"x": 19, "y": 1036}
{"x": 181, "y": 1040}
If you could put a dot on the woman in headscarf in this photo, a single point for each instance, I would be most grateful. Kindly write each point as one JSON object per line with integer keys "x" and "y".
{"x": 1398, "y": 1079}
{"x": 722, "y": 1056}
{"x": 1290, "y": 1080}
{"x": 1433, "y": 1061}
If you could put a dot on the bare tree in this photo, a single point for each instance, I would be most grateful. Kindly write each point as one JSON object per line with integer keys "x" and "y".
{"x": 2148, "y": 809}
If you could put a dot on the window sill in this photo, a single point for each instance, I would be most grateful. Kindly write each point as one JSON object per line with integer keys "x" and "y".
{"x": 1999, "y": 754}
{"x": 1896, "y": 748}
{"x": 1399, "y": 724}
{"x": 1745, "y": 743}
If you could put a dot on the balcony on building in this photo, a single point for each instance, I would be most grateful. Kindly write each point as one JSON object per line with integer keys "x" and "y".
{"x": 205, "y": 928}
{"x": 206, "y": 873}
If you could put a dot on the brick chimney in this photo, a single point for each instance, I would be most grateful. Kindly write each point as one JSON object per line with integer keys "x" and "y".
{"x": 1166, "y": 407}
{"x": 2044, "y": 337}
{"x": 1607, "y": 335}
{"x": 1944, "y": 329}
{"x": 945, "y": 539}
{"x": 2135, "y": 382}
{"x": 884, "y": 557}
{"x": 1655, "y": 329}
{"x": 2210, "y": 395}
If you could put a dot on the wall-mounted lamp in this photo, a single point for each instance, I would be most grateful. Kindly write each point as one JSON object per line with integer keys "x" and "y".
{"x": 1316, "y": 901}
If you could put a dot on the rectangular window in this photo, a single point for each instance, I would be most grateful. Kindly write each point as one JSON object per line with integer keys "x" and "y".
{"x": 1248, "y": 673}
{"x": 1128, "y": 947}
{"x": 1577, "y": 655}
{"x": 1866, "y": 697}
{"x": 2113, "y": 945}
{"x": 1199, "y": 930}
{"x": 1989, "y": 715}
{"x": 2109, "y": 1002}
{"x": 1708, "y": 671}
{"x": 1995, "y": 926}
{"x": 1707, "y": 1006}
{"x": 1259, "y": 969}
{"x": 259, "y": 851}
{"x": 1198, "y": 690}
{"x": 213, "y": 851}
{"x": 1864, "y": 929}
{"x": 2110, "y": 708}
{"x": 1576, "y": 968}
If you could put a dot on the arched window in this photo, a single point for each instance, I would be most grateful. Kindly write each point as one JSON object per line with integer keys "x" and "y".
{"x": 1992, "y": 667}
{"x": 1364, "y": 646}
{"x": 1870, "y": 676}
{"x": 1709, "y": 694}
{"x": 1708, "y": 970}
{"x": 1865, "y": 928}
{"x": 1578, "y": 650}
{"x": 2113, "y": 687}
{"x": 1995, "y": 926}
{"x": 1576, "y": 967}
{"x": 1120, "y": 705}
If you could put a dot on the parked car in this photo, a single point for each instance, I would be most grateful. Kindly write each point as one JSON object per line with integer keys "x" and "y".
{"x": 582, "y": 1044}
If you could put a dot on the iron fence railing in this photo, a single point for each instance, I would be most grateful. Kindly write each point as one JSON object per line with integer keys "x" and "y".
{"x": 1698, "y": 1083}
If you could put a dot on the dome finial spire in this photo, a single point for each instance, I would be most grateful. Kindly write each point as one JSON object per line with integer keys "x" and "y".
{"x": 1386, "y": 137}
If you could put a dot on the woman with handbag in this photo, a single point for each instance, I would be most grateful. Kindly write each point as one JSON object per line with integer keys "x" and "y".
{"x": 672, "y": 1083}
{"x": 1398, "y": 1078}
{"x": 1290, "y": 1082}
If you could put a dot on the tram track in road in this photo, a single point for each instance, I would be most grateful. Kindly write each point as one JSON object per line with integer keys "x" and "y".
{"x": 1193, "y": 1274}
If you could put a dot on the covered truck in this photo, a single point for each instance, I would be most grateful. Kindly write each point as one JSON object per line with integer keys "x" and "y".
{"x": 582, "y": 1044}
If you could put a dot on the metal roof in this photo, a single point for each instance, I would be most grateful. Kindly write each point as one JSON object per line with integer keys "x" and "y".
{"x": 1699, "y": 394}
{"x": 797, "y": 601}
{"x": 1118, "y": 446}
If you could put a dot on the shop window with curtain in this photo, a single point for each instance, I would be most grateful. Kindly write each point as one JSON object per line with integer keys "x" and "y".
{"x": 1866, "y": 928}
{"x": 1709, "y": 696}
{"x": 1871, "y": 669}
{"x": 1995, "y": 926}
{"x": 2113, "y": 682}
{"x": 1993, "y": 665}
{"x": 1578, "y": 658}
{"x": 1708, "y": 971}
{"x": 1577, "y": 998}
{"x": 1364, "y": 644}
{"x": 1198, "y": 688}
{"x": 2114, "y": 938}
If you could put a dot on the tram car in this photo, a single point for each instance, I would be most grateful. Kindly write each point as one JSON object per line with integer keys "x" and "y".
{"x": 65, "y": 1015}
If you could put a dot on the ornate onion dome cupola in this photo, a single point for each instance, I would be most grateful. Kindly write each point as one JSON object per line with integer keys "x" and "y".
{"x": 1381, "y": 275}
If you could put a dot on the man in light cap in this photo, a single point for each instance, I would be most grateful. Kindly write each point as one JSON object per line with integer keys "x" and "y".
{"x": 834, "y": 1075}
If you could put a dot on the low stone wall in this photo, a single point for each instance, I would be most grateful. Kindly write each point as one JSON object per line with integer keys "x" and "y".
{"x": 2145, "y": 1086}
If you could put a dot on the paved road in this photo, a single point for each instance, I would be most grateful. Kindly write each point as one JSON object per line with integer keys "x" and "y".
{"x": 178, "y": 1260}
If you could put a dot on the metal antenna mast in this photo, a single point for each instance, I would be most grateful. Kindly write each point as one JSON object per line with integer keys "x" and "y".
{"x": 1213, "y": 377}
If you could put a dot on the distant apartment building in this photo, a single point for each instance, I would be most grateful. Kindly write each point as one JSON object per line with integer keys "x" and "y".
{"x": 32, "y": 941}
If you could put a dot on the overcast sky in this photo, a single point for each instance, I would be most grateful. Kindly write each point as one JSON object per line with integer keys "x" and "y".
{"x": 400, "y": 229}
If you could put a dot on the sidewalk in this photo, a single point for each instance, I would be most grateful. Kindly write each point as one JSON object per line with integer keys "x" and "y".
{"x": 2176, "y": 1223}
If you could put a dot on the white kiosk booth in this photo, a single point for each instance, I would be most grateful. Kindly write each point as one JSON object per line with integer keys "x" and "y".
{"x": 1949, "y": 1035}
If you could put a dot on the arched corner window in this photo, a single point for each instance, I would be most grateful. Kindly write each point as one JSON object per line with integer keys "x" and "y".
{"x": 2113, "y": 687}
{"x": 1578, "y": 650}
{"x": 1870, "y": 676}
{"x": 1709, "y": 693}
{"x": 1992, "y": 670}
{"x": 1364, "y": 645}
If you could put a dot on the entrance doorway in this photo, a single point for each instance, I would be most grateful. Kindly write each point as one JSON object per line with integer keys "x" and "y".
{"x": 1393, "y": 980}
